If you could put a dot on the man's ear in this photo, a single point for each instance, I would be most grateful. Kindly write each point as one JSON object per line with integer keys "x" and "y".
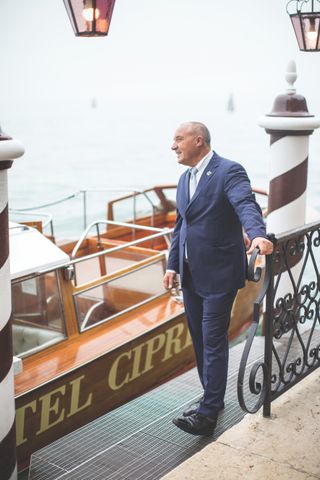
{"x": 199, "y": 141}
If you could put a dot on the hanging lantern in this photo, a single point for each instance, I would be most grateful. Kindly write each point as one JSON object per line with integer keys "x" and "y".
{"x": 306, "y": 23}
{"x": 90, "y": 18}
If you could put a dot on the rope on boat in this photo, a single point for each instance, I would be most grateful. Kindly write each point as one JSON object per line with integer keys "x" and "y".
{"x": 83, "y": 192}
{"x": 61, "y": 200}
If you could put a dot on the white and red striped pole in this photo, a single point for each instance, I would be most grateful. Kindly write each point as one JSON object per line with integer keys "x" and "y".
{"x": 289, "y": 124}
{"x": 9, "y": 150}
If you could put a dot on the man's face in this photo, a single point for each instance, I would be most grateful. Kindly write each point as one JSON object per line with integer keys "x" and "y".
{"x": 186, "y": 146}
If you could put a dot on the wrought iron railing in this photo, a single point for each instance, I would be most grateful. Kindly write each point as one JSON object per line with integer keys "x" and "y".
{"x": 288, "y": 312}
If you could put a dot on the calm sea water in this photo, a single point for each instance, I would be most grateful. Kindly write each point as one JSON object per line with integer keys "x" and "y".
{"x": 74, "y": 147}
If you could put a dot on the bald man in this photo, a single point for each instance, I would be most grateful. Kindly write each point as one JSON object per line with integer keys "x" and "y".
{"x": 214, "y": 204}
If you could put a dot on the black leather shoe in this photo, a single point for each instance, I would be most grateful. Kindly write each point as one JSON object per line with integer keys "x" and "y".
{"x": 196, "y": 424}
{"x": 193, "y": 408}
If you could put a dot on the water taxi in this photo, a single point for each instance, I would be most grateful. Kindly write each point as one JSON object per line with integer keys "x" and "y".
{"x": 93, "y": 326}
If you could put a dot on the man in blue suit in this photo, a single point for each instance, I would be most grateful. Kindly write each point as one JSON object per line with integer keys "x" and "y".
{"x": 214, "y": 204}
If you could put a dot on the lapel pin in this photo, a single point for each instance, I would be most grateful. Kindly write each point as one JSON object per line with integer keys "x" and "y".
{"x": 209, "y": 173}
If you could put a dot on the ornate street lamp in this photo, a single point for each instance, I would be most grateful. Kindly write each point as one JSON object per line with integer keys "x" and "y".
{"x": 306, "y": 24}
{"x": 90, "y": 18}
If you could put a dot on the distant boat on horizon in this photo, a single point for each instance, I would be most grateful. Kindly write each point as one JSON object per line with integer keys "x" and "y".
{"x": 230, "y": 103}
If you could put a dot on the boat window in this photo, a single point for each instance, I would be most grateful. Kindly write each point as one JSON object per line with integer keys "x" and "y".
{"x": 136, "y": 207}
{"x": 119, "y": 295}
{"x": 38, "y": 320}
{"x": 93, "y": 268}
{"x": 152, "y": 199}
{"x": 123, "y": 210}
{"x": 170, "y": 194}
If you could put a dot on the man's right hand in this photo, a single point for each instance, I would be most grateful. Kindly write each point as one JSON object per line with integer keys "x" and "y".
{"x": 170, "y": 280}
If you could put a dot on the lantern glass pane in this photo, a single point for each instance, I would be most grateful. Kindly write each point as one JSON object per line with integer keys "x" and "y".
{"x": 67, "y": 4}
{"x": 90, "y": 17}
{"x": 78, "y": 10}
{"x": 295, "y": 19}
{"x": 311, "y": 31}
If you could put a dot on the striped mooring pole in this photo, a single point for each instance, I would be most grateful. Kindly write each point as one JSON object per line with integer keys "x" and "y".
{"x": 289, "y": 124}
{"x": 9, "y": 150}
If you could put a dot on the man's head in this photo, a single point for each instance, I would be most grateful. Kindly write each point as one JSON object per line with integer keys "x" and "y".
{"x": 191, "y": 143}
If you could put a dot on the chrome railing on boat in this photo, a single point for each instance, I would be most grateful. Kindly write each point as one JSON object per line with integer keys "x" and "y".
{"x": 160, "y": 232}
{"x": 48, "y": 217}
{"x": 68, "y": 266}
{"x": 133, "y": 191}
{"x": 164, "y": 231}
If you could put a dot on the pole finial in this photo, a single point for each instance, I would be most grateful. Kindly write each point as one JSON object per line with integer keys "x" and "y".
{"x": 291, "y": 76}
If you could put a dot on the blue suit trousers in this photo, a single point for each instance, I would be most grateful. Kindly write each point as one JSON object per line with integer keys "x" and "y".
{"x": 208, "y": 317}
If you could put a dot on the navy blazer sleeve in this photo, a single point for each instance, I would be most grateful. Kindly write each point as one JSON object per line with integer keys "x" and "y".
{"x": 238, "y": 190}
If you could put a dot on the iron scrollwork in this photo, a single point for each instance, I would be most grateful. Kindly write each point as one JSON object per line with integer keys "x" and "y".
{"x": 291, "y": 290}
{"x": 296, "y": 319}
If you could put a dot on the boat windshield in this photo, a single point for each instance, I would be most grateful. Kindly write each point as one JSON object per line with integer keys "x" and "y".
{"x": 120, "y": 294}
{"x": 143, "y": 205}
{"x": 38, "y": 319}
{"x": 118, "y": 276}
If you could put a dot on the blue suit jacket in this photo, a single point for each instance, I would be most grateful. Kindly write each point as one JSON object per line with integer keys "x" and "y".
{"x": 211, "y": 224}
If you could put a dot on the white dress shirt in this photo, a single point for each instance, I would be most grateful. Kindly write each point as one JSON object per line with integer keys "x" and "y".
{"x": 201, "y": 166}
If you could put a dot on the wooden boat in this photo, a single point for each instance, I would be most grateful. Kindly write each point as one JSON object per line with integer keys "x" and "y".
{"x": 93, "y": 326}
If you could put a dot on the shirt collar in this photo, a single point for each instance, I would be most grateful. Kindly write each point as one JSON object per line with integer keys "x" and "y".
{"x": 204, "y": 162}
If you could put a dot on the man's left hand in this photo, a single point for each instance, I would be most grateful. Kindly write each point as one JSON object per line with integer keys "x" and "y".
{"x": 265, "y": 246}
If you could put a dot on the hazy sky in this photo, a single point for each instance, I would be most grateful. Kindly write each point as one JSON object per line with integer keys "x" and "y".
{"x": 156, "y": 49}
{"x": 163, "y": 62}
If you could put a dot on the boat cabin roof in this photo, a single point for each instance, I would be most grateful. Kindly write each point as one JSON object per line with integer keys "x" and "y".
{"x": 31, "y": 252}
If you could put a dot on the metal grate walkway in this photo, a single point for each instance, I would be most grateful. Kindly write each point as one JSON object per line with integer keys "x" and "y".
{"x": 138, "y": 440}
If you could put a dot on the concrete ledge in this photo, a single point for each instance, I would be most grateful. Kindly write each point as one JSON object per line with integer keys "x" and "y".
{"x": 285, "y": 446}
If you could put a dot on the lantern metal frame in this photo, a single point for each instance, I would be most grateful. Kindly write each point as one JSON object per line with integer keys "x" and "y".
{"x": 96, "y": 26}
{"x": 299, "y": 19}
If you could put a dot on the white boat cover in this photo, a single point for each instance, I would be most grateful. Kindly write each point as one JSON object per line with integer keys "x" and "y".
{"x": 32, "y": 252}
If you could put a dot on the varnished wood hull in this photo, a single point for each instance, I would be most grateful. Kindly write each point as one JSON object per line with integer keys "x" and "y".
{"x": 79, "y": 396}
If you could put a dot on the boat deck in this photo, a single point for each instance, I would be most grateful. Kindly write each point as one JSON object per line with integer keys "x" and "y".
{"x": 138, "y": 439}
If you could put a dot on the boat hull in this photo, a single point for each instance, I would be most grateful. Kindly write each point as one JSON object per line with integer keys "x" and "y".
{"x": 85, "y": 393}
